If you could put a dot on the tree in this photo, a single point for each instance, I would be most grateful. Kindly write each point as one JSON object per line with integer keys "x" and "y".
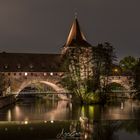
{"x": 103, "y": 56}
{"x": 127, "y": 64}
{"x": 136, "y": 77}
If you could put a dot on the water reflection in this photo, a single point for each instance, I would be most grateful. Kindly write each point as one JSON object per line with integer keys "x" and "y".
{"x": 121, "y": 110}
{"x": 113, "y": 121}
{"x": 116, "y": 130}
{"x": 45, "y": 110}
{"x": 64, "y": 110}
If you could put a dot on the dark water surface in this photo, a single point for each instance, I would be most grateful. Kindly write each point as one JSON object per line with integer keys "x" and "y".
{"x": 42, "y": 119}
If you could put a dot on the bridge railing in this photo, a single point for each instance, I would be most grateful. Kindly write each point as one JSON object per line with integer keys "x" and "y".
{"x": 53, "y": 92}
{"x": 123, "y": 91}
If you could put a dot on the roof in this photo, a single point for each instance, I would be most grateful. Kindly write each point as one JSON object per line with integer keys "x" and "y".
{"x": 76, "y": 37}
{"x": 27, "y": 62}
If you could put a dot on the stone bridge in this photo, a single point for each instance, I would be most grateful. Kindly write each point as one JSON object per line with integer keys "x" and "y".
{"x": 20, "y": 80}
{"x": 125, "y": 81}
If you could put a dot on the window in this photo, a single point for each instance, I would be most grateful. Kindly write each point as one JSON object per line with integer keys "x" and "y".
{"x": 26, "y": 74}
{"x": 6, "y": 66}
{"x": 51, "y": 73}
{"x": 18, "y": 66}
{"x": 45, "y": 74}
{"x": 31, "y": 66}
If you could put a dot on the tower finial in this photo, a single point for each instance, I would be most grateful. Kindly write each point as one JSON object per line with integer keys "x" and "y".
{"x": 76, "y": 14}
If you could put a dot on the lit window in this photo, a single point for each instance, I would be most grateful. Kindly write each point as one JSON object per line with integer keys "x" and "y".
{"x": 45, "y": 74}
{"x": 51, "y": 73}
{"x": 26, "y": 73}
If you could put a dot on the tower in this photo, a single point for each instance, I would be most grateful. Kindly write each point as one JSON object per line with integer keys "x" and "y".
{"x": 78, "y": 51}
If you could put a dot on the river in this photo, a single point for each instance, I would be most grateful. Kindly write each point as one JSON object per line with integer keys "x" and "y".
{"x": 43, "y": 119}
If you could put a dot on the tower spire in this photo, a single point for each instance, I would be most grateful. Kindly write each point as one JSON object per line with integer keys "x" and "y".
{"x": 75, "y": 14}
{"x": 76, "y": 37}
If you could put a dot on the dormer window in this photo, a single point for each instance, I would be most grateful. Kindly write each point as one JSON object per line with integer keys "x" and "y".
{"x": 31, "y": 66}
{"x": 18, "y": 66}
{"x": 6, "y": 66}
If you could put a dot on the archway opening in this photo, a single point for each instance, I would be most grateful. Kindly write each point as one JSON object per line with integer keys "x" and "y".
{"x": 40, "y": 89}
{"x": 112, "y": 87}
{"x": 36, "y": 90}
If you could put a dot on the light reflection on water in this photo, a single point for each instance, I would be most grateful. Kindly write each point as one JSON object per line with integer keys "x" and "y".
{"x": 45, "y": 110}
{"x": 39, "y": 109}
{"x": 115, "y": 120}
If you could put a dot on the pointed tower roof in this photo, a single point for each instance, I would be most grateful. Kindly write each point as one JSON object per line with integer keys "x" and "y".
{"x": 76, "y": 37}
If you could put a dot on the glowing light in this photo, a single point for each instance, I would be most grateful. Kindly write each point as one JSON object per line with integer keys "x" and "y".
{"x": 17, "y": 111}
{"x": 116, "y": 70}
{"x": 45, "y": 74}
{"x": 122, "y": 105}
{"x": 26, "y": 73}
{"x": 91, "y": 111}
{"x": 51, "y": 73}
{"x": 26, "y": 122}
{"x": 52, "y": 121}
{"x": 86, "y": 136}
{"x": 9, "y": 115}
{"x": 45, "y": 121}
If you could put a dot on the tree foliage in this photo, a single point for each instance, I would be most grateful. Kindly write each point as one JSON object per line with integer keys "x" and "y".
{"x": 84, "y": 68}
{"x": 103, "y": 56}
{"x": 127, "y": 64}
{"x": 136, "y": 77}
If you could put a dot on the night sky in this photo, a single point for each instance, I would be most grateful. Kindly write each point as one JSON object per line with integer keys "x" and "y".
{"x": 42, "y": 26}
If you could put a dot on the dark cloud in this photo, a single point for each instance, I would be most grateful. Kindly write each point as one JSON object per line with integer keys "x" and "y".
{"x": 41, "y": 26}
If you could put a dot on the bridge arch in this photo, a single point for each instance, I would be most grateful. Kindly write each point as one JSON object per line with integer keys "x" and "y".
{"x": 115, "y": 86}
{"x": 54, "y": 87}
{"x": 18, "y": 83}
{"x": 124, "y": 81}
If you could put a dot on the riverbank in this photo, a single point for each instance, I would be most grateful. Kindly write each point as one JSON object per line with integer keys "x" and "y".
{"x": 7, "y": 100}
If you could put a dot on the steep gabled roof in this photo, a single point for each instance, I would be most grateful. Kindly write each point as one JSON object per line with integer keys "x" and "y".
{"x": 76, "y": 37}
